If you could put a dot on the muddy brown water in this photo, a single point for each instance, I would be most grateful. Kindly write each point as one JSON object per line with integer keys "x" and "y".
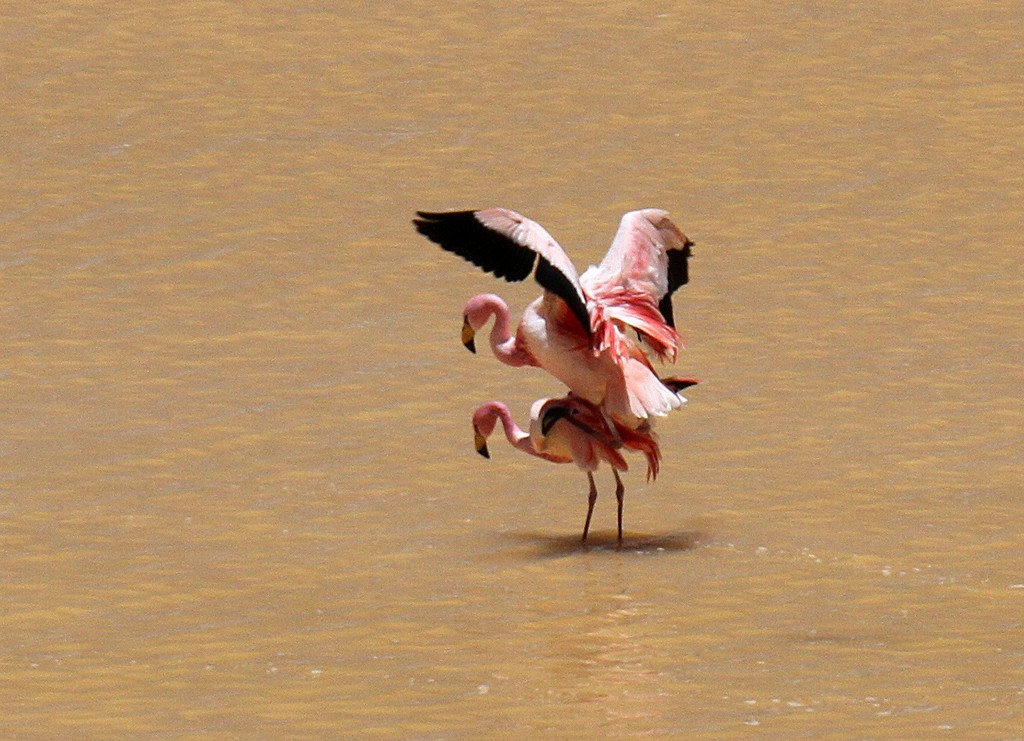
{"x": 239, "y": 492}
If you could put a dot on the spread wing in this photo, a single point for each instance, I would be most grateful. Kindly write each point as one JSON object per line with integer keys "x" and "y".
{"x": 649, "y": 253}
{"x": 508, "y": 245}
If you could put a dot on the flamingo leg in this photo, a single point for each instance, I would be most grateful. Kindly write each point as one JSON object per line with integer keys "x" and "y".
{"x": 590, "y": 506}
{"x": 620, "y": 494}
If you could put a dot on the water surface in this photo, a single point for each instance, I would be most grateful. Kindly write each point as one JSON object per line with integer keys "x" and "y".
{"x": 237, "y": 479}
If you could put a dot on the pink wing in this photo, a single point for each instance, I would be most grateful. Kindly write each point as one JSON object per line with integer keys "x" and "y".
{"x": 635, "y": 309}
{"x": 650, "y": 254}
{"x": 528, "y": 233}
{"x": 639, "y": 253}
{"x": 634, "y": 282}
{"x": 508, "y": 244}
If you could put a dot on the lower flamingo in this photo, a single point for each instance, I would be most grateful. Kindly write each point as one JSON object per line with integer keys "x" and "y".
{"x": 571, "y": 430}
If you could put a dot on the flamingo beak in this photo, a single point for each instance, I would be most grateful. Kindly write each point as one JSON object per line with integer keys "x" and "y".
{"x": 480, "y": 442}
{"x": 468, "y": 333}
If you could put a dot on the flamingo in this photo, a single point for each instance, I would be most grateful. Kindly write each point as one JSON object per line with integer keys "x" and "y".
{"x": 576, "y": 330}
{"x": 572, "y": 430}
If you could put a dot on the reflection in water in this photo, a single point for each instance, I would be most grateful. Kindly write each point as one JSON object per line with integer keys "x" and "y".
{"x": 605, "y": 672}
{"x": 610, "y": 671}
{"x": 549, "y": 545}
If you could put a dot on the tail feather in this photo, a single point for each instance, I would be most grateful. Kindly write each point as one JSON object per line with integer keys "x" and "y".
{"x": 647, "y": 394}
{"x": 646, "y": 443}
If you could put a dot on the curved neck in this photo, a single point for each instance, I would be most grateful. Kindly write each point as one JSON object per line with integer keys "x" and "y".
{"x": 487, "y": 417}
{"x": 505, "y": 347}
{"x": 516, "y": 436}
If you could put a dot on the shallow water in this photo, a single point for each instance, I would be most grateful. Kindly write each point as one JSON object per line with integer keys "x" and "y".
{"x": 239, "y": 491}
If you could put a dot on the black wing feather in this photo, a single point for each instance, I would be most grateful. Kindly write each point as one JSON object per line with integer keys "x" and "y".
{"x": 678, "y": 384}
{"x": 551, "y": 416}
{"x": 460, "y": 232}
{"x": 678, "y": 275}
{"x": 555, "y": 281}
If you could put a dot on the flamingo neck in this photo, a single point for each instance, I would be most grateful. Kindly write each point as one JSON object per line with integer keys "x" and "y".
{"x": 505, "y": 347}
{"x": 515, "y": 435}
{"x": 486, "y": 418}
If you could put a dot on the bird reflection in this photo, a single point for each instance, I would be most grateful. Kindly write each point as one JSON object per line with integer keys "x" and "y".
{"x": 609, "y": 664}
{"x": 557, "y": 545}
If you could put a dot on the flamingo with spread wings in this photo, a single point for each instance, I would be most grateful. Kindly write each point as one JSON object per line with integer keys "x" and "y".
{"x": 572, "y": 430}
{"x": 577, "y": 329}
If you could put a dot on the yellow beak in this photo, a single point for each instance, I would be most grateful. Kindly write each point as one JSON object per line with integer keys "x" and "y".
{"x": 481, "y": 444}
{"x": 468, "y": 333}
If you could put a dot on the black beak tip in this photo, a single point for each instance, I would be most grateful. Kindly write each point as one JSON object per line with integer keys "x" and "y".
{"x": 471, "y": 346}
